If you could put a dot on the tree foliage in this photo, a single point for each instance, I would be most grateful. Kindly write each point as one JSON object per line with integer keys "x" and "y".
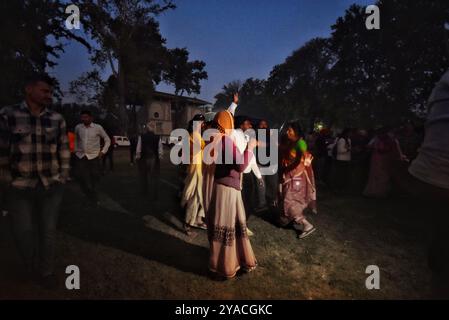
{"x": 360, "y": 77}
{"x": 31, "y": 41}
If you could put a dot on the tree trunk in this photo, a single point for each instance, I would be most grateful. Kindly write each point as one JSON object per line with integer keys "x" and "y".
{"x": 122, "y": 98}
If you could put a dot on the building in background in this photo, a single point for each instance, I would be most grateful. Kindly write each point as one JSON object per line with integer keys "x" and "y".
{"x": 170, "y": 112}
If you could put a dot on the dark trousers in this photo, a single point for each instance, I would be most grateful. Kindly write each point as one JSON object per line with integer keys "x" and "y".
{"x": 149, "y": 170}
{"x": 253, "y": 194}
{"x": 323, "y": 167}
{"x": 341, "y": 176}
{"x": 88, "y": 173}
{"x": 3, "y": 198}
{"x": 249, "y": 194}
{"x": 109, "y": 157}
{"x": 436, "y": 200}
{"x": 73, "y": 158}
{"x": 132, "y": 150}
{"x": 34, "y": 216}
{"x": 271, "y": 189}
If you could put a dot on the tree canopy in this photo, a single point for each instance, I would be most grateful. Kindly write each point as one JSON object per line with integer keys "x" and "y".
{"x": 359, "y": 77}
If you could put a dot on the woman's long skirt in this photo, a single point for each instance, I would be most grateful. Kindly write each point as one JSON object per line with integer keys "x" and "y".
{"x": 192, "y": 197}
{"x": 230, "y": 248}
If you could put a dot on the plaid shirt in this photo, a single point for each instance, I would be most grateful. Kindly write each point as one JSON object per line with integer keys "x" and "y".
{"x": 33, "y": 148}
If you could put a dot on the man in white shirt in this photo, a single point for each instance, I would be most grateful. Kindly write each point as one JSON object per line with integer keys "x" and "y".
{"x": 89, "y": 153}
{"x": 241, "y": 138}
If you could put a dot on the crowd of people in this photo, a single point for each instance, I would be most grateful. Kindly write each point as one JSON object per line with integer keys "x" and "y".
{"x": 36, "y": 154}
{"x": 363, "y": 161}
{"x": 221, "y": 195}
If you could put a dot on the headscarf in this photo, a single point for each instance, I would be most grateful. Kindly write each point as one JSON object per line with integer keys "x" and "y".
{"x": 224, "y": 121}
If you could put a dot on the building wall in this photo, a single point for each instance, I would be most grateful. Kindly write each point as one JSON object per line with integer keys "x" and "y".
{"x": 162, "y": 118}
{"x": 187, "y": 115}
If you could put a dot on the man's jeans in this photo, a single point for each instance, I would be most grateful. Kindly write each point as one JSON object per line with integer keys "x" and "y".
{"x": 88, "y": 172}
{"x": 34, "y": 215}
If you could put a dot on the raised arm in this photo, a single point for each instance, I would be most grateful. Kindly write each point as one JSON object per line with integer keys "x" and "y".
{"x": 234, "y": 104}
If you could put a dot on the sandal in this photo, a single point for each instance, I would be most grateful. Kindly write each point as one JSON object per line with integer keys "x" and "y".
{"x": 202, "y": 226}
{"x": 305, "y": 234}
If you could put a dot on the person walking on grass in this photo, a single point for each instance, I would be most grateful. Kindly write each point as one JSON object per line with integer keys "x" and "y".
{"x": 89, "y": 154}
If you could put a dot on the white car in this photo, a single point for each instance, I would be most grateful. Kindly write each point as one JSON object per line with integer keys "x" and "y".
{"x": 121, "y": 141}
{"x": 169, "y": 140}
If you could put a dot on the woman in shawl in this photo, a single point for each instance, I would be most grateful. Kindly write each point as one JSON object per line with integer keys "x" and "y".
{"x": 192, "y": 195}
{"x": 230, "y": 248}
{"x": 298, "y": 191}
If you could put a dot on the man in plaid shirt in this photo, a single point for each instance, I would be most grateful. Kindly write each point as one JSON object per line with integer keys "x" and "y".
{"x": 34, "y": 149}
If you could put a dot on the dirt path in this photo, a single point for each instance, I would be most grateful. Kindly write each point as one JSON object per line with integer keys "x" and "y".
{"x": 131, "y": 248}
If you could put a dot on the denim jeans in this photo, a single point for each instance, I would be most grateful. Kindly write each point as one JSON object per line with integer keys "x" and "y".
{"x": 34, "y": 216}
{"x": 88, "y": 174}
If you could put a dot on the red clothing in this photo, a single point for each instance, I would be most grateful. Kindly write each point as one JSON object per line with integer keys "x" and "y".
{"x": 71, "y": 137}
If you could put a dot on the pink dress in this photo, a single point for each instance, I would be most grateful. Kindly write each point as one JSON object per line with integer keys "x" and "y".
{"x": 298, "y": 191}
{"x": 382, "y": 157}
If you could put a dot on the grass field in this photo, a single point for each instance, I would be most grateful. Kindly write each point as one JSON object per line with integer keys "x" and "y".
{"x": 131, "y": 248}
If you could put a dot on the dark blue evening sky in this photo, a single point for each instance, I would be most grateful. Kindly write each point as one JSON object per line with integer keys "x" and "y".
{"x": 237, "y": 39}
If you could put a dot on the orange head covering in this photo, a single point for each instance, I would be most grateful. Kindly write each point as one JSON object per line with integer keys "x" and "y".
{"x": 224, "y": 121}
